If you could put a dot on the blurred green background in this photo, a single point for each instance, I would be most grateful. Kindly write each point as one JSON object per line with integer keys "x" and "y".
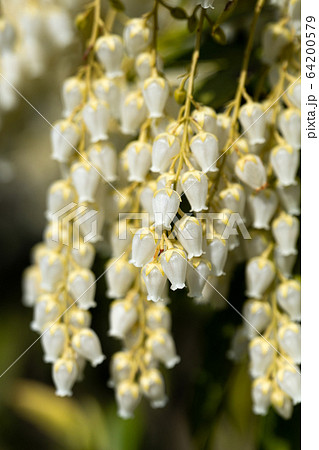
{"x": 210, "y": 405}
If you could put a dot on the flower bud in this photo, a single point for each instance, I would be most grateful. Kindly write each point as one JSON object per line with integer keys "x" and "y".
{"x": 217, "y": 252}
{"x": 261, "y": 392}
{"x": 53, "y": 341}
{"x": 204, "y": 147}
{"x": 123, "y": 315}
{"x": 121, "y": 367}
{"x": 103, "y": 157}
{"x": 197, "y": 273}
{"x": 206, "y": 118}
{"x": 281, "y": 403}
{"x": 261, "y": 356}
{"x": 289, "y": 298}
{"x": 46, "y": 309}
{"x": 285, "y": 162}
{"x": 86, "y": 343}
{"x": 195, "y": 186}
{"x": 143, "y": 65}
{"x": 153, "y": 387}
{"x": 165, "y": 206}
{"x": 60, "y": 195}
{"x": 96, "y": 115}
{"x": 260, "y": 273}
{"x": 65, "y": 136}
{"x": 174, "y": 264}
{"x": 155, "y": 91}
{"x": 258, "y": 315}
{"x": 139, "y": 159}
{"x": 275, "y": 38}
{"x": 133, "y": 113}
{"x": 110, "y": 51}
{"x": 165, "y": 147}
{"x": 190, "y": 235}
{"x": 143, "y": 247}
{"x": 158, "y": 316}
{"x": 262, "y": 206}
{"x": 289, "y": 380}
{"x": 31, "y": 285}
{"x": 52, "y": 267}
{"x": 119, "y": 278}
{"x": 64, "y": 374}
{"x": 289, "y": 124}
{"x": 160, "y": 343}
{"x": 233, "y": 198}
{"x": 84, "y": 255}
{"x": 289, "y": 197}
{"x": 73, "y": 93}
{"x": 110, "y": 92}
{"x": 253, "y": 120}
{"x": 81, "y": 287}
{"x": 289, "y": 340}
{"x": 137, "y": 36}
{"x": 154, "y": 278}
{"x": 251, "y": 171}
{"x": 285, "y": 229}
{"x": 127, "y": 397}
{"x": 85, "y": 179}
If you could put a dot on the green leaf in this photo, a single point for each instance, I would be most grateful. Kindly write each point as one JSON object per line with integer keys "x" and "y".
{"x": 178, "y": 13}
{"x": 219, "y": 36}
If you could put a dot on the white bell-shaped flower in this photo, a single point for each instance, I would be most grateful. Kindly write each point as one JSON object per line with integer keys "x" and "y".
{"x": 217, "y": 252}
{"x": 85, "y": 179}
{"x": 190, "y": 235}
{"x": 73, "y": 94}
{"x": 31, "y": 282}
{"x": 133, "y": 113}
{"x": 109, "y": 91}
{"x": 139, "y": 160}
{"x": 289, "y": 380}
{"x": 258, "y": 243}
{"x": 251, "y": 171}
{"x": 222, "y": 132}
{"x": 285, "y": 264}
{"x": 195, "y": 186}
{"x": 59, "y": 26}
{"x": 144, "y": 65}
{"x": 121, "y": 367}
{"x": 204, "y": 147}
{"x": 260, "y": 273}
{"x": 262, "y": 207}
{"x": 84, "y": 255}
{"x": 64, "y": 374}
{"x": 165, "y": 180}
{"x": 155, "y": 91}
{"x": 174, "y": 264}
{"x": 52, "y": 267}
{"x": 109, "y": 50}
{"x": 165, "y": 147}
{"x": 103, "y": 157}
{"x": 289, "y": 123}
{"x": 137, "y": 36}
{"x": 46, "y": 309}
{"x": 253, "y": 120}
{"x": 289, "y": 338}
{"x": 119, "y": 278}
{"x": 165, "y": 206}
{"x": 120, "y": 238}
{"x": 154, "y": 278}
{"x": 282, "y": 403}
{"x": 294, "y": 94}
{"x": 79, "y": 318}
{"x": 233, "y": 198}
{"x": 289, "y": 197}
{"x": 274, "y": 40}
{"x": 90, "y": 224}
{"x": 61, "y": 194}
{"x": 81, "y": 287}
{"x": 53, "y": 341}
{"x": 198, "y": 270}
{"x": 153, "y": 387}
{"x": 86, "y": 343}
{"x": 285, "y": 162}
{"x": 65, "y": 136}
{"x": 96, "y": 115}
{"x": 258, "y": 315}
{"x": 206, "y": 118}
{"x": 146, "y": 198}
{"x": 261, "y": 392}
{"x": 289, "y": 298}
{"x": 161, "y": 344}
{"x": 261, "y": 355}
{"x": 127, "y": 396}
{"x": 285, "y": 229}
{"x": 123, "y": 315}
{"x": 143, "y": 247}
{"x": 158, "y": 316}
